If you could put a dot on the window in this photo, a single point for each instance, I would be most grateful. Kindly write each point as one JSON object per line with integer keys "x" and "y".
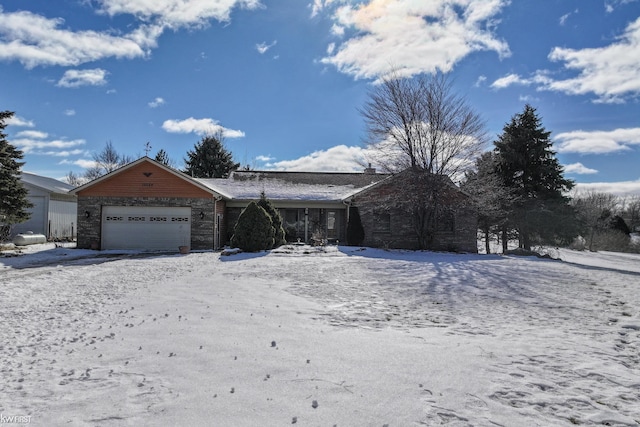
{"x": 445, "y": 221}
{"x": 381, "y": 222}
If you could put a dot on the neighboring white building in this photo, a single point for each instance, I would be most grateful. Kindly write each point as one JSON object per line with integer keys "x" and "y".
{"x": 54, "y": 212}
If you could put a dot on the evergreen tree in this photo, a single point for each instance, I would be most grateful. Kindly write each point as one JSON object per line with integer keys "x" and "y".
{"x": 355, "y": 230}
{"x": 253, "y": 231}
{"x": 276, "y": 220}
{"x": 528, "y": 167}
{"x": 210, "y": 159}
{"x": 163, "y": 157}
{"x": 13, "y": 195}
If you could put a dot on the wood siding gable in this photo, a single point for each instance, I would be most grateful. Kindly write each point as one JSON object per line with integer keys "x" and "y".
{"x": 144, "y": 179}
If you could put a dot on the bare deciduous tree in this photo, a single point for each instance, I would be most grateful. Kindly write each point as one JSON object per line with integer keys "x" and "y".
{"x": 420, "y": 123}
{"x": 420, "y": 126}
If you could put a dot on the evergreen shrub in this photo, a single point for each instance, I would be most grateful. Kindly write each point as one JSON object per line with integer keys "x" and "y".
{"x": 254, "y": 230}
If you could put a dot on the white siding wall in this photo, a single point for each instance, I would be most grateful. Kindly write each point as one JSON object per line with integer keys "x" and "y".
{"x": 63, "y": 219}
{"x": 38, "y": 220}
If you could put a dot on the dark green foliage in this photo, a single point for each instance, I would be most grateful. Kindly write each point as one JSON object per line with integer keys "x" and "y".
{"x": 355, "y": 230}
{"x": 13, "y": 195}
{"x": 617, "y": 223}
{"x": 276, "y": 220}
{"x": 210, "y": 159}
{"x": 527, "y": 166}
{"x": 163, "y": 157}
{"x": 253, "y": 231}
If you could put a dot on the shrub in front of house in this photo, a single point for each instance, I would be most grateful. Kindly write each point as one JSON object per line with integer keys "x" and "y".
{"x": 253, "y": 231}
{"x": 355, "y": 230}
{"x": 276, "y": 220}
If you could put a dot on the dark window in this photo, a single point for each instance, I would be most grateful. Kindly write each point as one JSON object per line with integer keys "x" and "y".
{"x": 381, "y": 222}
{"x": 445, "y": 220}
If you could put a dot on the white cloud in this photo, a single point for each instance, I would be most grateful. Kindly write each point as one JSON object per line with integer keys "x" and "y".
{"x": 156, "y": 102}
{"x": 480, "y": 81}
{"x": 413, "y": 36}
{"x": 31, "y": 145}
{"x": 598, "y": 142}
{"x": 318, "y": 5}
{"x": 200, "y": 127}
{"x": 579, "y": 168}
{"x": 340, "y": 158}
{"x": 528, "y": 99}
{"x": 263, "y": 47}
{"x": 64, "y": 153}
{"x": 622, "y": 188}
{"x": 34, "y": 134}
{"x": 509, "y": 80}
{"x": 263, "y": 158}
{"x": 19, "y": 121}
{"x": 565, "y": 17}
{"x": 77, "y": 78}
{"x": 35, "y": 40}
{"x": 610, "y": 5}
{"x": 70, "y": 112}
{"x": 611, "y": 72}
{"x": 177, "y": 13}
{"x": 83, "y": 163}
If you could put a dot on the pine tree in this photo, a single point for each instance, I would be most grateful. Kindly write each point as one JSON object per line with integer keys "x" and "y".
{"x": 276, "y": 220}
{"x": 210, "y": 159}
{"x": 13, "y": 195}
{"x": 355, "y": 230}
{"x": 253, "y": 231}
{"x": 528, "y": 167}
{"x": 163, "y": 157}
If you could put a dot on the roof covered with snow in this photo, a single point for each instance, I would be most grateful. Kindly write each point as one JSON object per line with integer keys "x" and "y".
{"x": 48, "y": 184}
{"x": 294, "y": 186}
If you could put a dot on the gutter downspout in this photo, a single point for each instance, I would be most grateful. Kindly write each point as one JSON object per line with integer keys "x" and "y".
{"x": 306, "y": 225}
{"x": 216, "y": 228}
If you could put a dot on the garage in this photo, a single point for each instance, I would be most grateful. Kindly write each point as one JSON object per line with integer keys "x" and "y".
{"x": 146, "y": 227}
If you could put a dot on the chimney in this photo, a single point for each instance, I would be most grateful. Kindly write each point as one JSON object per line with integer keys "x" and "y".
{"x": 370, "y": 170}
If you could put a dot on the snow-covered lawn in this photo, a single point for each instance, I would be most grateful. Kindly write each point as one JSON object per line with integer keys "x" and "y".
{"x": 340, "y": 336}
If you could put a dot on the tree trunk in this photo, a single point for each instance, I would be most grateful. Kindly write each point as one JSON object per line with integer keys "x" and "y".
{"x": 504, "y": 240}
{"x": 487, "y": 247}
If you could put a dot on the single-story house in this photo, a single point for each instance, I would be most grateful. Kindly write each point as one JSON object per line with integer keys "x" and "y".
{"x": 54, "y": 210}
{"x": 147, "y": 205}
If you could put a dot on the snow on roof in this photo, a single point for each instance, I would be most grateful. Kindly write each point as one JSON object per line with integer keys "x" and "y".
{"x": 276, "y": 190}
{"x": 48, "y": 184}
{"x": 300, "y": 186}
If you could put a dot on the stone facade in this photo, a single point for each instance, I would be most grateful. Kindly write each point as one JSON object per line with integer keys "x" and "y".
{"x": 387, "y": 223}
{"x": 90, "y": 217}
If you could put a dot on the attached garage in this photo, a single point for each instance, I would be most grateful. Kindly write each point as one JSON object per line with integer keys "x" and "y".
{"x": 146, "y": 205}
{"x": 145, "y": 227}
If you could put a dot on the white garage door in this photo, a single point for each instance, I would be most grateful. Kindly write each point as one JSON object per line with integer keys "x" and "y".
{"x": 147, "y": 228}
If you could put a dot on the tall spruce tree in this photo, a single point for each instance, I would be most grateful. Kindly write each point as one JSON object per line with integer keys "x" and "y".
{"x": 527, "y": 166}
{"x": 210, "y": 159}
{"x": 13, "y": 195}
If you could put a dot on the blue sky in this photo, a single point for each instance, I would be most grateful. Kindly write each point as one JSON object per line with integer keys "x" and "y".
{"x": 283, "y": 79}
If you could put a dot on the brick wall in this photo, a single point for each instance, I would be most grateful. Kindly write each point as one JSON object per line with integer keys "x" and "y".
{"x": 388, "y": 225}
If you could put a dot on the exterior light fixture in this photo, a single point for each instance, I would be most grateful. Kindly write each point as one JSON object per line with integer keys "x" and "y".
{"x": 201, "y": 214}
{"x": 87, "y": 214}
